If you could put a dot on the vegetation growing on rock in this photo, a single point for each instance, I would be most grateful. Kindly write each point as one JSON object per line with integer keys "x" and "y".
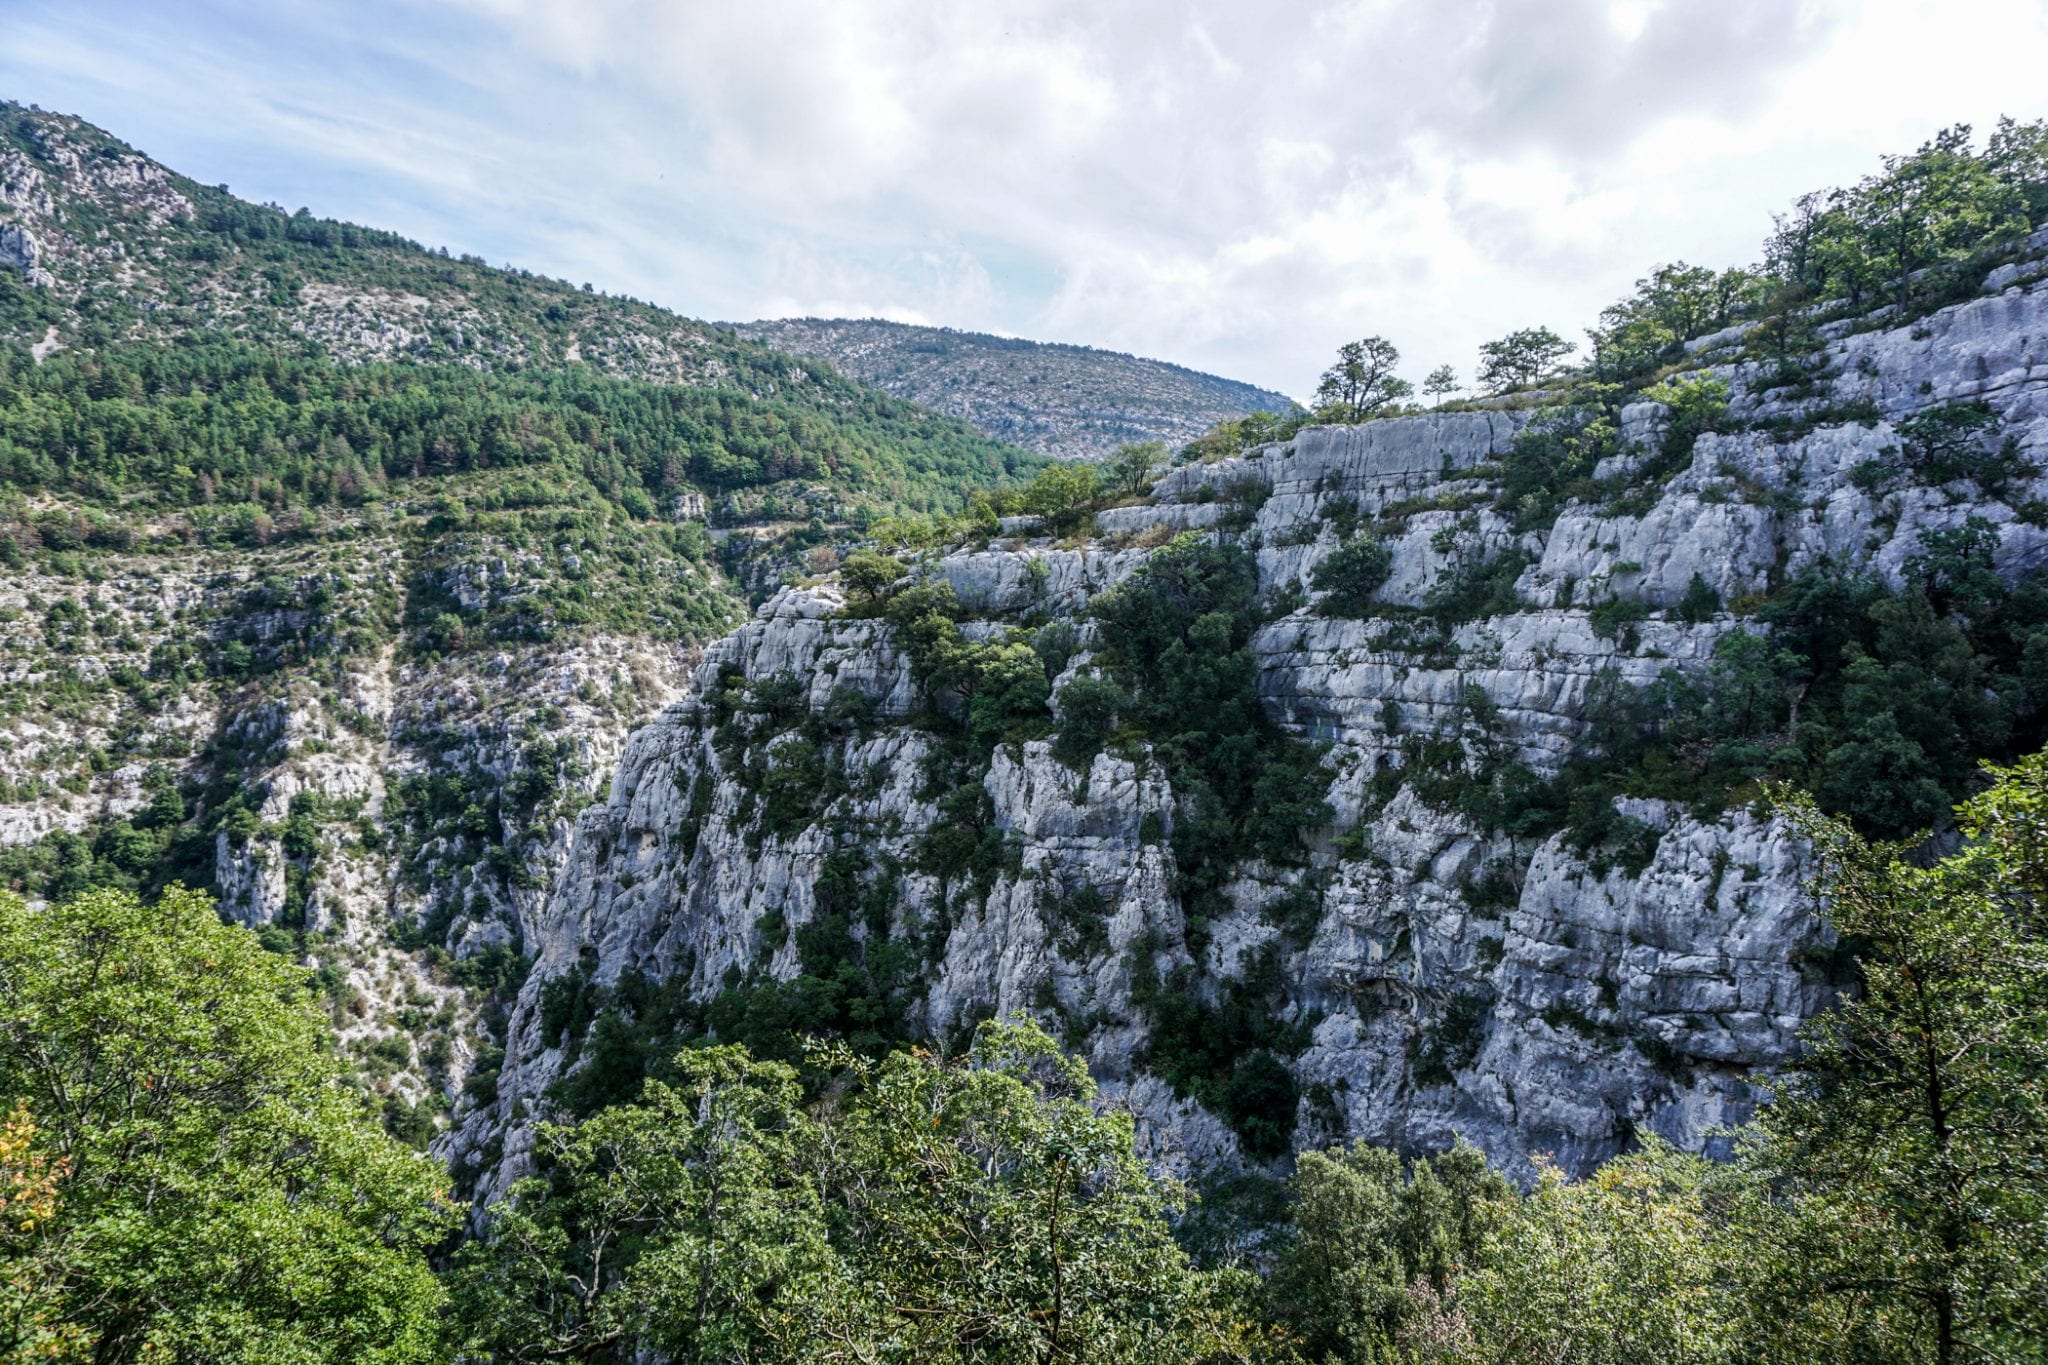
{"x": 980, "y": 1208}
{"x": 1396, "y": 779}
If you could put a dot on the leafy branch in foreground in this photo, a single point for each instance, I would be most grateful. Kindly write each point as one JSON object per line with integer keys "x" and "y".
{"x": 1912, "y": 1139}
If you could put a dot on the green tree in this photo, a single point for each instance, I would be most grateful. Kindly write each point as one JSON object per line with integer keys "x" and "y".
{"x": 1552, "y": 459}
{"x": 2018, "y": 156}
{"x": 1792, "y": 250}
{"x": 1001, "y": 1218}
{"x": 1696, "y": 407}
{"x": 1232, "y": 435}
{"x": 1521, "y": 358}
{"x": 1916, "y": 701}
{"x": 1625, "y": 1267}
{"x": 1699, "y": 602}
{"x": 1441, "y": 383}
{"x": 1063, "y": 493}
{"x": 1938, "y": 204}
{"x": 226, "y": 1196}
{"x": 1674, "y": 303}
{"x": 1130, "y": 468}
{"x": 1950, "y": 442}
{"x": 869, "y": 576}
{"x": 1934, "y": 208}
{"x": 1911, "y": 1139}
{"x": 1351, "y": 574}
{"x": 973, "y": 1211}
{"x": 1010, "y": 692}
{"x": 687, "y": 1224}
{"x": 1365, "y": 1228}
{"x": 1361, "y": 382}
{"x": 1956, "y": 567}
{"x": 1088, "y": 707}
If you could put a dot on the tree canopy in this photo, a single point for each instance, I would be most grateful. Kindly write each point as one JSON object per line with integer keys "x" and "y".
{"x": 1911, "y": 1140}
{"x": 976, "y": 1209}
{"x": 184, "y": 1178}
{"x": 1361, "y": 382}
{"x": 218, "y": 1193}
{"x": 1521, "y": 358}
{"x": 227, "y": 422}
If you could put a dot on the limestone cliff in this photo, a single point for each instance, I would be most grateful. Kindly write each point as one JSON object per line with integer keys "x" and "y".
{"x": 1446, "y": 979}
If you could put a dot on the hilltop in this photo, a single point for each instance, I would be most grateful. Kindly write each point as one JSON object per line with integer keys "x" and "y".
{"x": 121, "y": 263}
{"x": 1073, "y": 402}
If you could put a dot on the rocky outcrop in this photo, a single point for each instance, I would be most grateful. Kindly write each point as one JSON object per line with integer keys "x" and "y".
{"x": 295, "y": 755}
{"x": 1450, "y": 980}
{"x": 420, "y": 803}
{"x": 20, "y": 249}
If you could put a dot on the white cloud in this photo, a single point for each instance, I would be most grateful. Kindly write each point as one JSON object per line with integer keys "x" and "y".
{"x": 1239, "y": 187}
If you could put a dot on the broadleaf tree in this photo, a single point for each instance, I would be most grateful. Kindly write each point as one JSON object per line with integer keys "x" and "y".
{"x": 224, "y": 1195}
{"x": 1521, "y": 358}
{"x": 1362, "y": 382}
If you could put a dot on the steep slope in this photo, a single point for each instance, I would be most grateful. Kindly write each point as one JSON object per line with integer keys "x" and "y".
{"x": 334, "y": 572}
{"x": 1541, "y": 910}
{"x": 1073, "y": 402}
{"x": 122, "y": 248}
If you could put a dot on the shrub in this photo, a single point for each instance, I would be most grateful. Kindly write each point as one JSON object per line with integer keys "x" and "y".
{"x": 1455, "y": 1039}
{"x": 1010, "y": 692}
{"x": 868, "y": 576}
{"x": 1618, "y": 619}
{"x": 1350, "y": 575}
{"x": 1259, "y": 1101}
{"x": 1089, "y": 707}
{"x": 1063, "y": 493}
{"x": 1699, "y": 603}
{"x": 1473, "y": 587}
{"x": 1944, "y": 443}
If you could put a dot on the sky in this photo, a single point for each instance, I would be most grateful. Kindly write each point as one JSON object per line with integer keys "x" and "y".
{"x": 1238, "y": 187}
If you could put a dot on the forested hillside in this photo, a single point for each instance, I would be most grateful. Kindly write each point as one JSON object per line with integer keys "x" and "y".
{"x": 170, "y": 339}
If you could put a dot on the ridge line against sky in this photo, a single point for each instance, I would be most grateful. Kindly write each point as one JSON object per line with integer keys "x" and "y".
{"x": 1235, "y": 188}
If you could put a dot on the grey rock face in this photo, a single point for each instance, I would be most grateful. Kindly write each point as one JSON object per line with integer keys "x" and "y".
{"x": 1016, "y": 583}
{"x": 347, "y": 736}
{"x": 20, "y": 249}
{"x": 1449, "y": 980}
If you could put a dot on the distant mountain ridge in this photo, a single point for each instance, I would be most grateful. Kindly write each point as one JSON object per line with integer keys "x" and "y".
{"x": 103, "y": 248}
{"x": 121, "y": 248}
{"x": 1051, "y": 397}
